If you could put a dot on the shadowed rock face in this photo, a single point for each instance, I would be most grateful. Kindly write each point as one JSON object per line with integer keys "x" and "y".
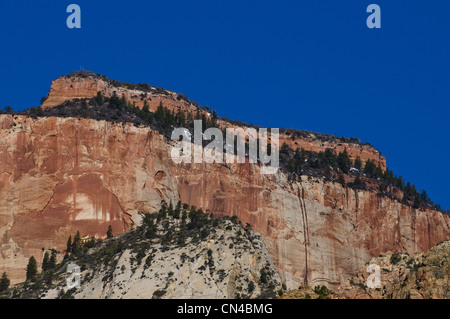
{"x": 60, "y": 175}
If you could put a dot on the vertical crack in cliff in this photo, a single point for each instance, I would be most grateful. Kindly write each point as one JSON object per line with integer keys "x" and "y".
{"x": 414, "y": 216}
{"x": 398, "y": 234}
{"x": 356, "y": 205}
{"x": 429, "y": 232}
{"x": 77, "y": 145}
{"x": 305, "y": 232}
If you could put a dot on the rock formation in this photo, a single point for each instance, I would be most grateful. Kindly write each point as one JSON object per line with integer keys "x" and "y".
{"x": 85, "y": 84}
{"x": 62, "y": 175}
{"x": 424, "y": 276}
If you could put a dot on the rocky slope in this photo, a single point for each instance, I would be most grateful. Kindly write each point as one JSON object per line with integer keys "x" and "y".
{"x": 60, "y": 175}
{"x": 216, "y": 259}
{"x": 424, "y": 276}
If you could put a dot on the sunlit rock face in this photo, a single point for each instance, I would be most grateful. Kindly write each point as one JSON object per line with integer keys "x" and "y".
{"x": 316, "y": 232}
{"x": 58, "y": 176}
{"x": 67, "y": 88}
{"x": 89, "y": 85}
{"x": 63, "y": 175}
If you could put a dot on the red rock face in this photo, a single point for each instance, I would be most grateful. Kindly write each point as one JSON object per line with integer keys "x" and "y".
{"x": 62, "y": 175}
{"x": 58, "y": 176}
{"x": 316, "y": 232}
{"x": 365, "y": 152}
{"x": 68, "y": 88}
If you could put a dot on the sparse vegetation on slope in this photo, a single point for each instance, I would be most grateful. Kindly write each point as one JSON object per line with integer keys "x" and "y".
{"x": 425, "y": 276}
{"x": 351, "y": 173}
{"x": 177, "y": 252}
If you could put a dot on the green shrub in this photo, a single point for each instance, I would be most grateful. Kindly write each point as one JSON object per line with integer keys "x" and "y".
{"x": 395, "y": 258}
{"x": 323, "y": 292}
{"x": 158, "y": 294}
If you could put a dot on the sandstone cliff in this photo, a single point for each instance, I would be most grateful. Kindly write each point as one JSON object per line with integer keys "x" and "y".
{"x": 74, "y": 86}
{"x": 87, "y": 85}
{"x": 60, "y": 175}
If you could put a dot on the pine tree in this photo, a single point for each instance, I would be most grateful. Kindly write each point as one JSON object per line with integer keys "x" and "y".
{"x": 162, "y": 214}
{"x": 145, "y": 112}
{"x": 284, "y": 150}
{"x": 298, "y": 154}
{"x": 181, "y": 119}
{"x": 31, "y": 269}
{"x": 388, "y": 176}
{"x": 99, "y": 99}
{"x": 400, "y": 183}
{"x": 109, "y": 233}
{"x": 45, "y": 261}
{"x": 151, "y": 229}
{"x": 177, "y": 211}
{"x": 159, "y": 112}
{"x": 170, "y": 210}
{"x": 39, "y": 111}
{"x": 416, "y": 202}
{"x": 145, "y": 108}
{"x": 408, "y": 189}
{"x": 424, "y": 197}
{"x": 181, "y": 239}
{"x": 69, "y": 245}
{"x": 52, "y": 262}
{"x": 76, "y": 243}
{"x": 205, "y": 122}
{"x": 378, "y": 171}
{"x": 4, "y": 282}
{"x": 190, "y": 120}
{"x": 183, "y": 222}
{"x": 358, "y": 162}
{"x": 122, "y": 102}
{"x": 369, "y": 168}
{"x": 344, "y": 161}
{"x": 213, "y": 119}
{"x": 114, "y": 100}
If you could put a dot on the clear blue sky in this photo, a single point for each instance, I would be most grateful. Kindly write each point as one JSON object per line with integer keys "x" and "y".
{"x": 310, "y": 65}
